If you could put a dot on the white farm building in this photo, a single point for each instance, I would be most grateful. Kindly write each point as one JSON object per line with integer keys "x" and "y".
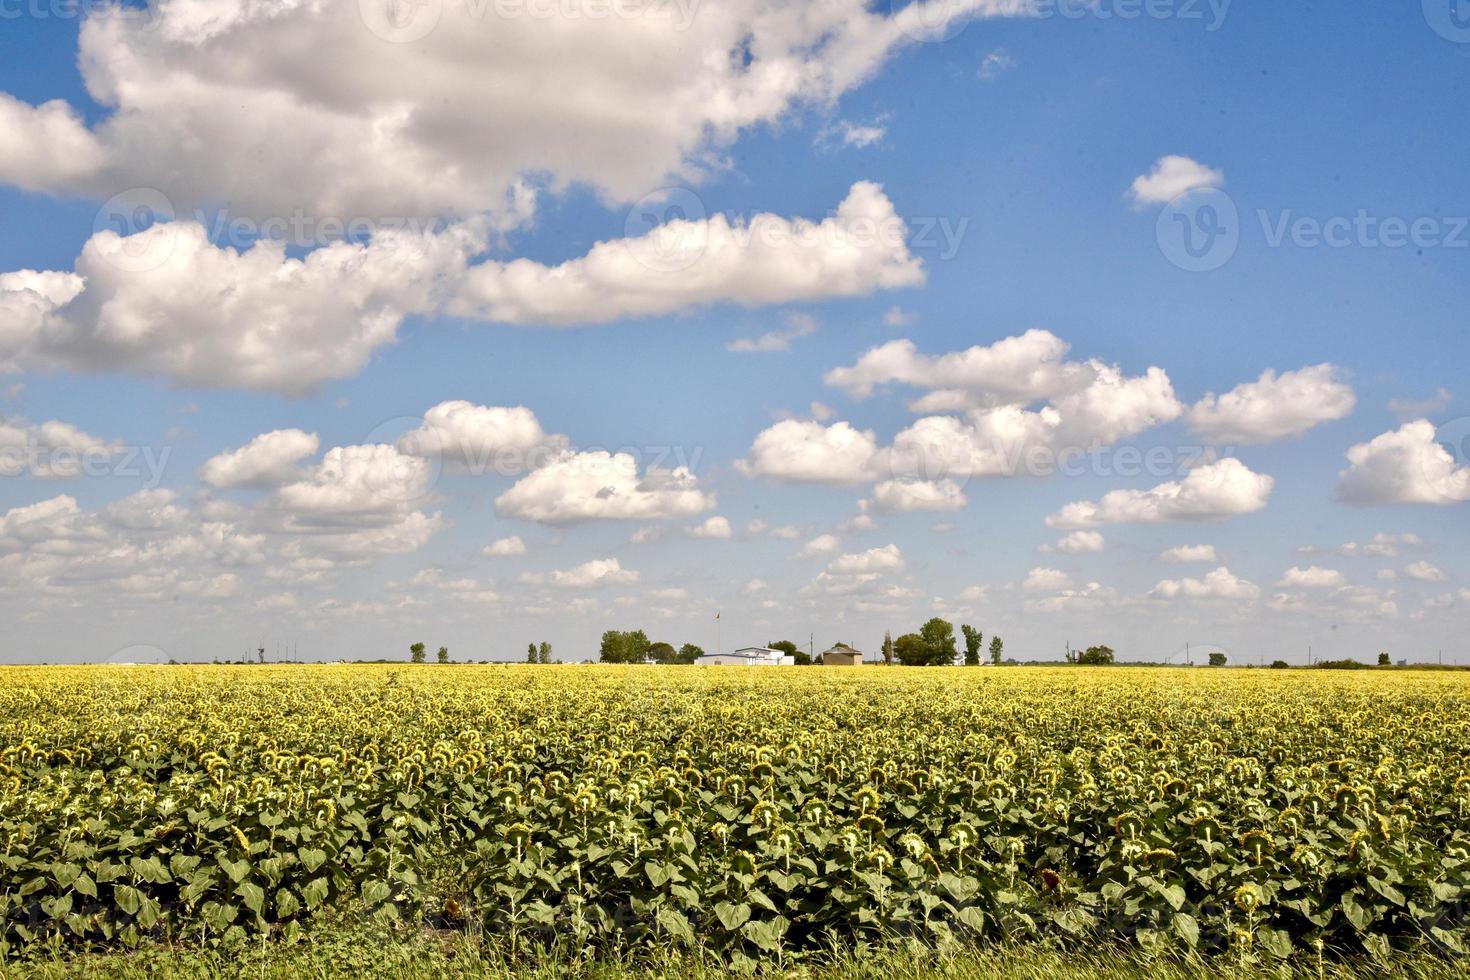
{"x": 749, "y": 657}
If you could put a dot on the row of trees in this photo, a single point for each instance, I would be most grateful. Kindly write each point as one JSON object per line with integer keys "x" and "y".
{"x": 418, "y": 653}
{"x": 634, "y": 647}
{"x": 935, "y": 646}
{"x": 539, "y": 654}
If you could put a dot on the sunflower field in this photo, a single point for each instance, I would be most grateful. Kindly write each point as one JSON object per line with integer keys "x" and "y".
{"x": 754, "y": 813}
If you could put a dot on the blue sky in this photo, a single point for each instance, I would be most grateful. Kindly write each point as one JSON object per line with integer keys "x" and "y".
{"x": 1020, "y": 137}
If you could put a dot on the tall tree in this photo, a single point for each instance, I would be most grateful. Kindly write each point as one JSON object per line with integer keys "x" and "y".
{"x": 663, "y": 653}
{"x": 911, "y": 650}
{"x": 531, "y": 654}
{"x": 939, "y": 639}
{"x": 416, "y": 653}
{"x": 888, "y": 648}
{"x": 543, "y": 653}
{"x": 996, "y": 646}
{"x": 1095, "y": 656}
{"x": 972, "y": 645}
{"x": 688, "y": 653}
{"x": 620, "y": 647}
{"x": 443, "y": 655}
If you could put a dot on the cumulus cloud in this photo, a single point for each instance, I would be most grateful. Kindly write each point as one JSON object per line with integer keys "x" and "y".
{"x": 687, "y": 263}
{"x": 596, "y": 574}
{"x": 1313, "y": 577}
{"x": 1423, "y": 571}
{"x": 1409, "y": 409}
{"x": 268, "y": 460}
{"x": 443, "y": 110}
{"x": 797, "y": 325}
{"x": 1213, "y": 492}
{"x": 1047, "y": 580}
{"x": 168, "y": 302}
{"x": 483, "y": 439}
{"x": 1219, "y": 584}
{"x": 1406, "y": 466}
{"x": 874, "y": 560}
{"x": 1080, "y": 542}
{"x": 908, "y": 495}
{"x": 1274, "y": 406}
{"x": 590, "y": 486}
{"x": 165, "y": 302}
{"x": 1383, "y": 545}
{"x": 717, "y": 528}
{"x": 53, "y": 450}
{"x": 1190, "y": 553}
{"x": 356, "y": 484}
{"x": 798, "y": 451}
{"x": 505, "y": 547}
{"x": 822, "y": 544}
{"x": 1172, "y": 176}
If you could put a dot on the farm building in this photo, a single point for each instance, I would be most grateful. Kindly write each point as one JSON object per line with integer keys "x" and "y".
{"x": 842, "y": 655}
{"x": 749, "y": 657}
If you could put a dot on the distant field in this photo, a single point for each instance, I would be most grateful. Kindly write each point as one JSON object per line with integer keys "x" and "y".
{"x": 749, "y": 815}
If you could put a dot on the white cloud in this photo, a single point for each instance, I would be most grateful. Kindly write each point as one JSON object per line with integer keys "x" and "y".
{"x": 595, "y": 574}
{"x": 356, "y": 484}
{"x": 1089, "y": 403}
{"x": 1089, "y": 598}
{"x": 1383, "y": 545}
{"x": 995, "y": 64}
{"x": 146, "y": 510}
{"x": 451, "y": 117}
{"x": 1213, "y": 492}
{"x": 754, "y": 587}
{"x": 1079, "y": 542}
{"x": 483, "y": 439}
{"x": 686, "y": 263}
{"x": 822, "y": 413}
{"x": 1423, "y": 571}
{"x": 1172, "y": 176}
{"x": 1047, "y": 580}
{"x": 906, "y": 496}
{"x": 166, "y": 302}
{"x": 1313, "y": 577}
{"x": 898, "y": 318}
{"x": 1219, "y": 584}
{"x": 505, "y": 547}
{"x": 1406, "y": 466}
{"x": 874, "y": 560}
{"x": 268, "y": 460}
{"x": 859, "y": 135}
{"x": 1409, "y": 409}
{"x": 1274, "y": 406}
{"x": 1190, "y": 553}
{"x": 822, "y": 544}
{"x": 45, "y": 145}
{"x": 797, "y": 325}
{"x": 51, "y": 450}
{"x": 599, "y": 485}
{"x": 809, "y": 452}
{"x": 717, "y": 528}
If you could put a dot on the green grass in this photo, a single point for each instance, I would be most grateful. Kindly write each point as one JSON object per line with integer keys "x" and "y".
{"x": 368, "y": 950}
